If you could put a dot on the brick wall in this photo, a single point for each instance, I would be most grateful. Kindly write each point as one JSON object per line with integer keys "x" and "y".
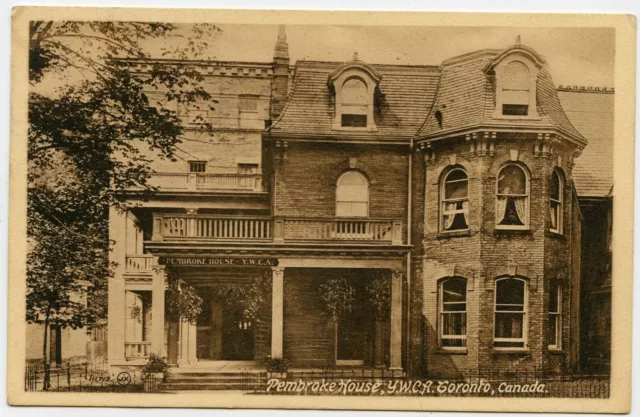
{"x": 305, "y": 182}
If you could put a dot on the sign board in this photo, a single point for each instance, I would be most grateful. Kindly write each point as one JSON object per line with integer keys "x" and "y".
{"x": 216, "y": 261}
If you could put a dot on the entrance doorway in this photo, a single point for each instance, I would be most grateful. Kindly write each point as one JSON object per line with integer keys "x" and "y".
{"x": 221, "y": 336}
{"x": 351, "y": 341}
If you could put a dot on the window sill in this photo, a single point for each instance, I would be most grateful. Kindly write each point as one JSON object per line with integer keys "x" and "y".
{"x": 556, "y": 235}
{"x": 454, "y": 233}
{"x": 449, "y": 351}
{"x": 511, "y": 351}
{"x": 556, "y": 351}
{"x": 500, "y": 231}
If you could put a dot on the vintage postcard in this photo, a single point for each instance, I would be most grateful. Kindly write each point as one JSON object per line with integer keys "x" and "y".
{"x": 326, "y": 210}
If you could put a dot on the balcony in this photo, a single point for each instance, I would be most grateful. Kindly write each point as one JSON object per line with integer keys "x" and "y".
{"x": 190, "y": 181}
{"x": 138, "y": 263}
{"x": 172, "y": 227}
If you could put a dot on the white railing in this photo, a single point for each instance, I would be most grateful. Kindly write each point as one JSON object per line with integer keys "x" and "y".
{"x": 137, "y": 263}
{"x": 212, "y": 227}
{"x": 173, "y": 226}
{"x": 137, "y": 350}
{"x": 205, "y": 181}
{"x": 378, "y": 230}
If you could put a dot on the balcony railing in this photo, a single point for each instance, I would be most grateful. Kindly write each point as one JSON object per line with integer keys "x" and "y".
{"x": 257, "y": 228}
{"x": 206, "y": 181}
{"x": 137, "y": 350}
{"x": 137, "y": 263}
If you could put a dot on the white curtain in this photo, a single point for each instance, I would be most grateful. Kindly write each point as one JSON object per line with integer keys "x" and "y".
{"x": 465, "y": 207}
{"x": 554, "y": 218}
{"x": 449, "y": 215}
{"x": 501, "y": 209}
{"x": 521, "y": 208}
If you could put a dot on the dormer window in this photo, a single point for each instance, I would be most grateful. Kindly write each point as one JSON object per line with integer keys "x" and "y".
{"x": 516, "y": 76}
{"x": 354, "y": 85}
{"x": 515, "y": 90}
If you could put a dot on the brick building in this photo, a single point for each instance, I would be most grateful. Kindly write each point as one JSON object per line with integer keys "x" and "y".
{"x": 445, "y": 191}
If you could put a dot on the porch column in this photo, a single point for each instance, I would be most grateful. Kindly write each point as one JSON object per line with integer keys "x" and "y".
{"x": 116, "y": 298}
{"x": 277, "y": 314}
{"x": 396, "y": 321}
{"x": 187, "y": 353}
{"x": 157, "y": 311}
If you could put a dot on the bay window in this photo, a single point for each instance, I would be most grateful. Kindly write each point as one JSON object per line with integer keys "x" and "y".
{"x": 453, "y": 313}
{"x": 510, "y": 313}
{"x": 512, "y": 198}
{"x": 455, "y": 201}
{"x": 555, "y": 316}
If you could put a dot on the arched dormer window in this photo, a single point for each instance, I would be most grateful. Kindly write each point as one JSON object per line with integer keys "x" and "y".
{"x": 516, "y": 75}
{"x": 354, "y": 84}
{"x": 455, "y": 201}
{"x": 352, "y": 195}
{"x": 512, "y": 198}
{"x": 556, "y": 191}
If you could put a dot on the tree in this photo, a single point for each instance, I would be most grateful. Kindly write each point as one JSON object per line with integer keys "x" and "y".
{"x": 94, "y": 123}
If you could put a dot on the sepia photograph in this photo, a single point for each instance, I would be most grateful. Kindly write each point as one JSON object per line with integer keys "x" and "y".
{"x": 259, "y": 209}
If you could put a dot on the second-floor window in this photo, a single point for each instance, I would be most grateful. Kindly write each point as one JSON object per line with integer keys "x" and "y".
{"x": 197, "y": 166}
{"x": 352, "y": 195}
{"x": 512, "y": 198}
{"x": 455, "y": 201}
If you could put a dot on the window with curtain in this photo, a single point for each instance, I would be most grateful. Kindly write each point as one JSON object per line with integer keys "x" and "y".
{"x": 555, "y": 315}
{"x": 352, "y": 195}
{"x": 510, "y": 322}
{"x": 512, "y": 198}
{"x": 555, "y": 202}
{"x": 515, "y": 90}
{"x": 455, "y": 201}
{"x": 453, "y": 313}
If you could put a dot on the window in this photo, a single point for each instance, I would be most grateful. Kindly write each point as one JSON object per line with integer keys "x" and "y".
{"x": 455, "y": 201}
{"x": 510, "y": 313}
{"x": 512, "y": 198}
{"x": 248, "y": 103}
{"x": 555, "y": 316}
{"x": 555, "y": 202}
{"x": 197, "y": 166}
{"x": 453, "y": 313}
{"x": 352, "y": 195}
{"x": 355, "y": 100}
{"x": 247, "y": 169}
{"x": 515, "y": 89}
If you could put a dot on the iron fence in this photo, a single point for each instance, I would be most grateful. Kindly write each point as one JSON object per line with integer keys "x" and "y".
{"x": 86, "y": 377}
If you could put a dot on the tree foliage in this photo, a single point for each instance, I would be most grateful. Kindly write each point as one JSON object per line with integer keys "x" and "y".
{"x": 94, "y": 125}
{"x": 182, "y": 302}
{"x": 248, "y": 302}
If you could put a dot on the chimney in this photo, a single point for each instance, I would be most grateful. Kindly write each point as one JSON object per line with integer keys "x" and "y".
{"x": 280, "y": 80}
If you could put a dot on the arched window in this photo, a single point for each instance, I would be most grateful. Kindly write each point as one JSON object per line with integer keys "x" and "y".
{"x": 352, "y": 195}
{"x": 355, "y": 101}
{"x": 555, "y": 202}
{"x": 455, "y": 201}
{"x": 510, "y": 322}
{"x": 453, "y": 313}
{"x": 515, "y": 89}
{"x": 512, "y": 198}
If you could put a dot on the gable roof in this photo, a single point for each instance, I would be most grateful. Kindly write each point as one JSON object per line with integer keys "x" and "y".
{"x": 591, "y": 112}
{"x": 466, "y": 98}
{"x": 406, "y": 94}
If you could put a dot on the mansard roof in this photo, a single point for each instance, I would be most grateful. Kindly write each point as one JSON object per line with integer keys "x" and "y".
{"x": 404, "y": 96}
{"x": 591, "y": 112}
{"x": 466, "y": 97}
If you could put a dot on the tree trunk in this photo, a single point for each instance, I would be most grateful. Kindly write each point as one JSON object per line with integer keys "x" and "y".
{"x": 46, "y": 384}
